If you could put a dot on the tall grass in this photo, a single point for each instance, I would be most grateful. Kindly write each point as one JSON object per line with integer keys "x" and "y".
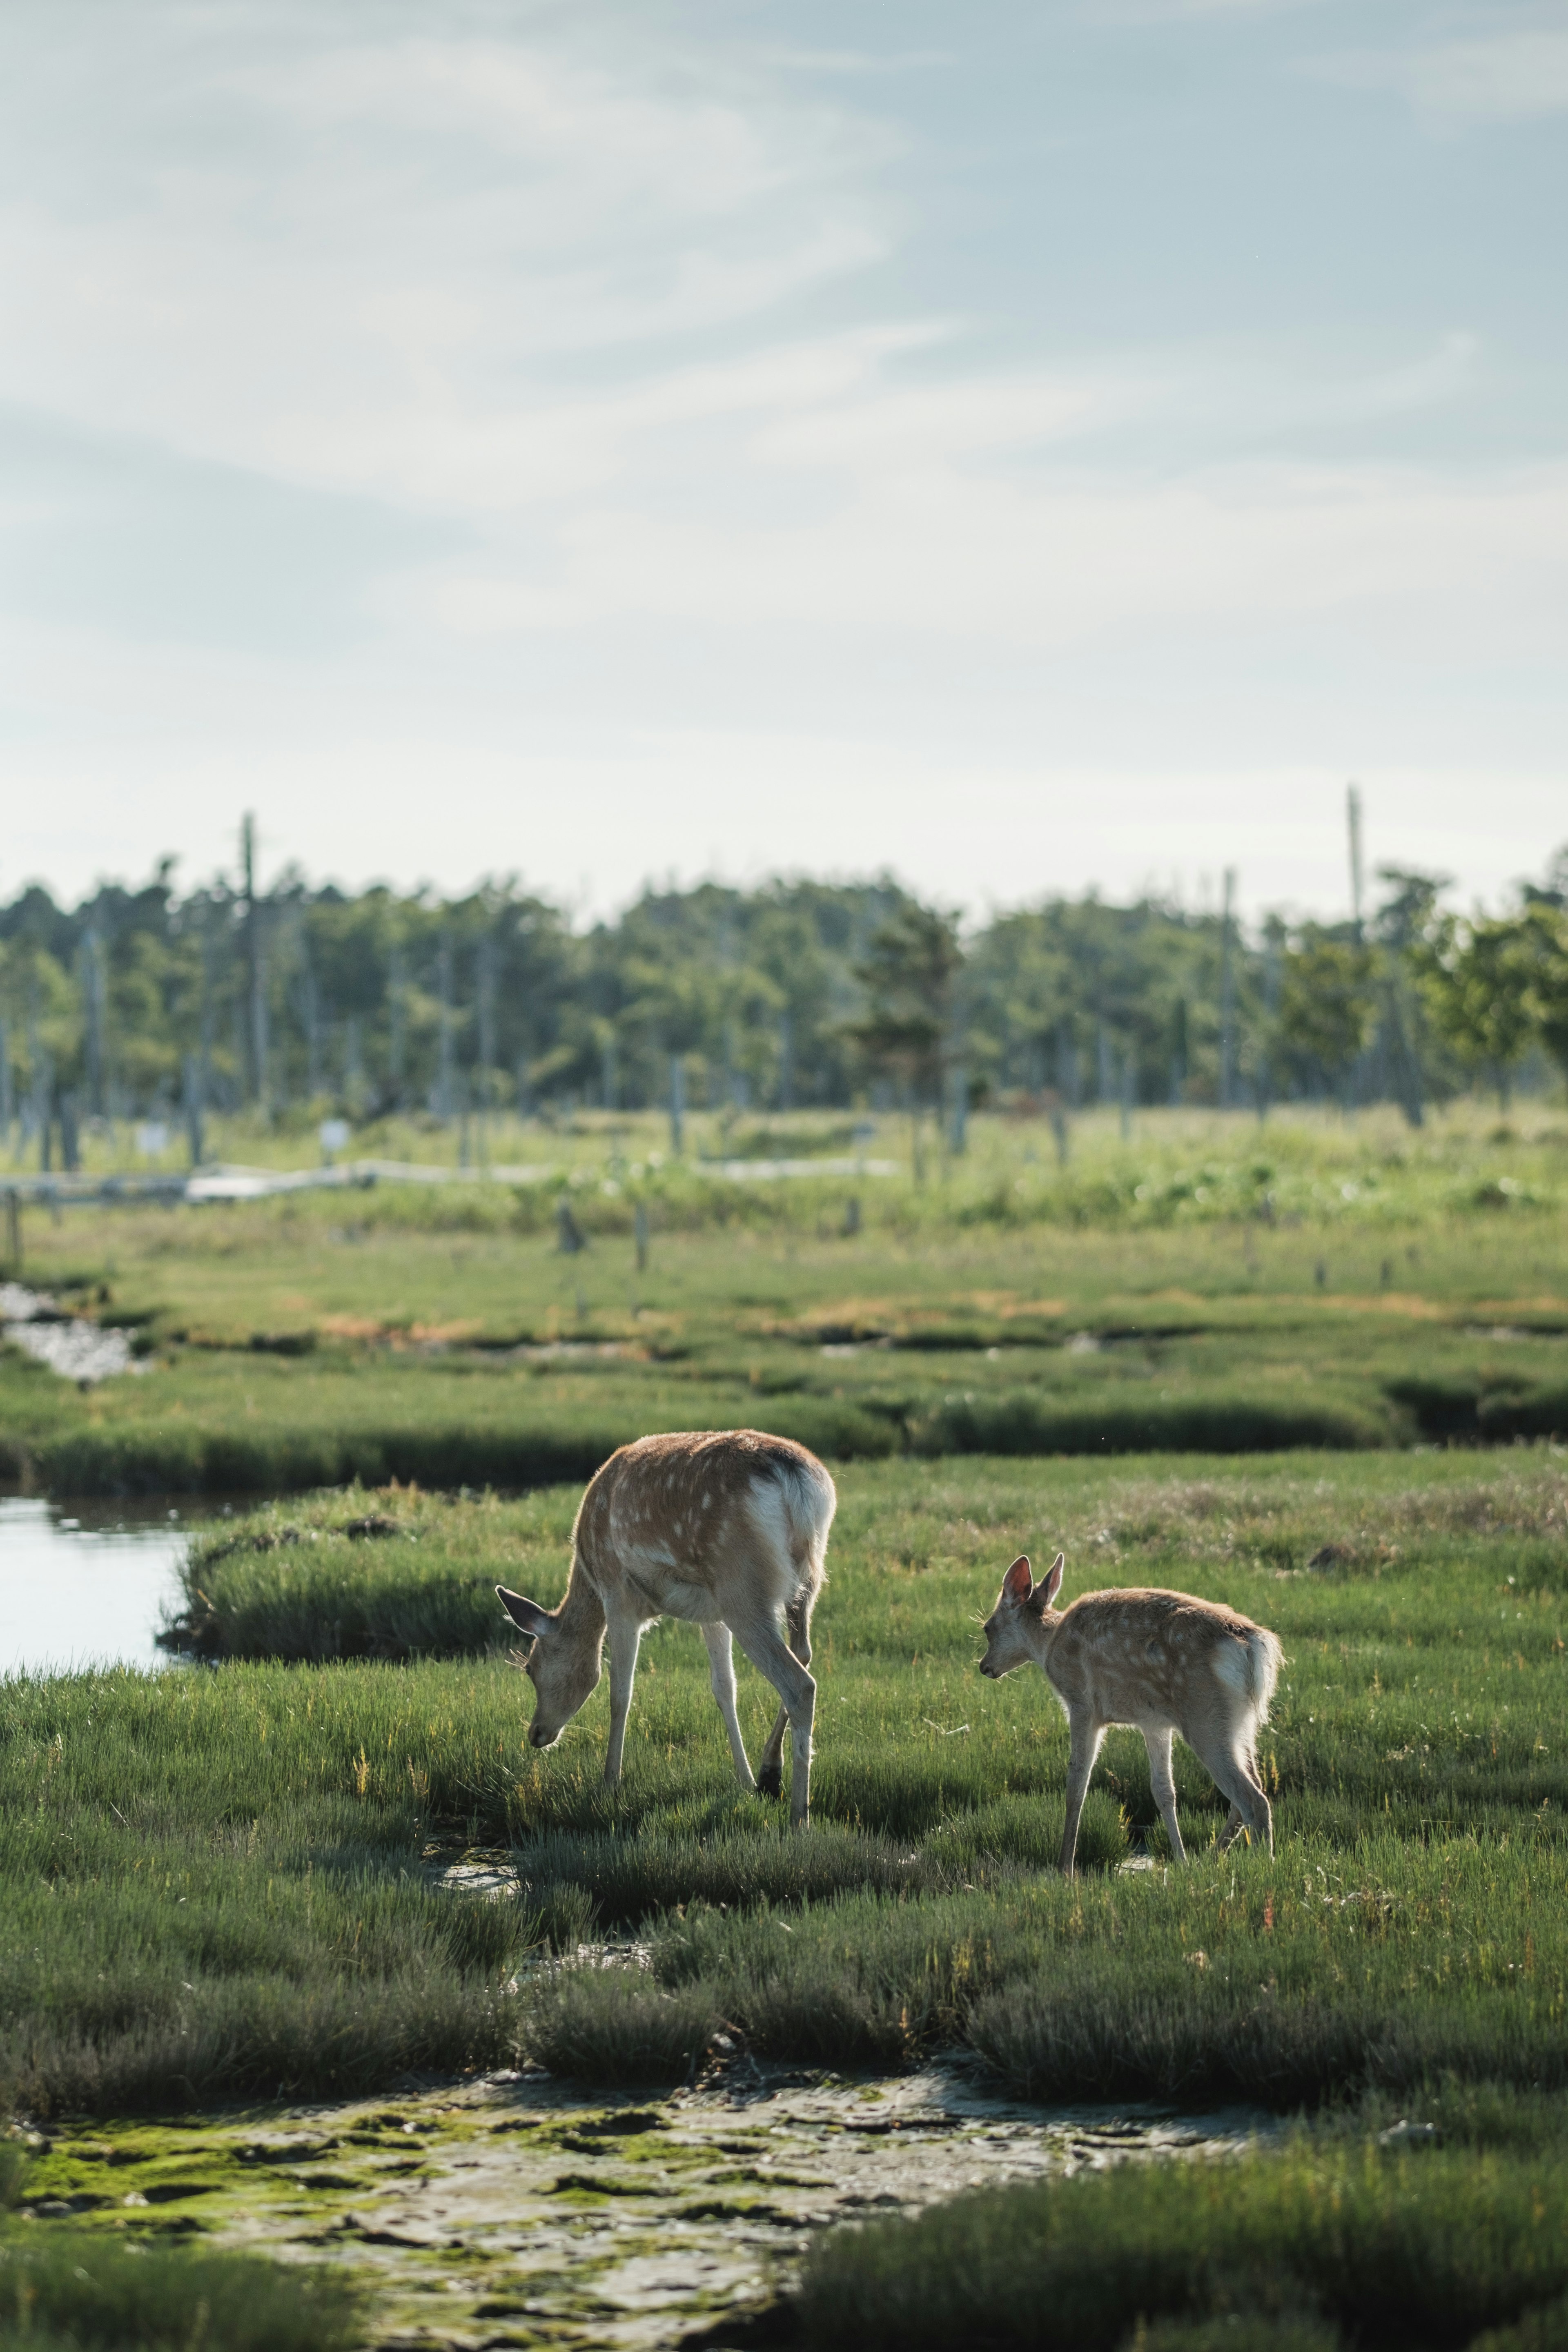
{"x": 1286, "y": 1983}
{"x": 1418, "y": 2250}
{"x": 72, "y": 2291}
{"x": 222, "y": 1883}
{"x": 76, "y": 2291}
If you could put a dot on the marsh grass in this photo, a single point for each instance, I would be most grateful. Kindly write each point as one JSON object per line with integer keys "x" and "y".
{"x": 306, "y": 1581}
{"x": 1275, "y": 1982}
{"x": 1205, "y": 1289}
{"x": 70, "y": 2290}
{"x": 217, "y": 1883}
{"x": 1422, "y": 2250}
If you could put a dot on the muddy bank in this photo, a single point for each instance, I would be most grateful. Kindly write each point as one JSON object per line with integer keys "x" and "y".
{"x": 509, "y": 2212}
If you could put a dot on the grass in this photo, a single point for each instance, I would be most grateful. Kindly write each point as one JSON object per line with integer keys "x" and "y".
{"x": 1327, "y": 2242}
{"x": 222, "y": 1883}
{"x": 215, "y": 1884}
{"x": 1197, "y": 1288}
{"x": 72, "y": 2289}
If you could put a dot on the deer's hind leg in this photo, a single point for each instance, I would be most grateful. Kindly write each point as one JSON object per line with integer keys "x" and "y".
{"x": 775, "y": 1658}
{"x": 1161, "y": 1781}
{"x": 722, "y": 1675}
{"x": 770, "y": 1766}
{"x": 1235, "y": 1776}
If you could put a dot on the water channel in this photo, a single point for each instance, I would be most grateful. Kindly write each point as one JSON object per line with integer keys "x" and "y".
{"x": 85, "y": 1584}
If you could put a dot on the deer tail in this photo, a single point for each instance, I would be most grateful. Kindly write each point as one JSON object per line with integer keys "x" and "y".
{"x": 1264, "y": 1658}
{"x": 805, "y": 1495}
{"x": 1249, "y": 1662}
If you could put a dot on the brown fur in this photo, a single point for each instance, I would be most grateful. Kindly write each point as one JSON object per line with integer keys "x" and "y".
{"x": 1162, "y": 1662}
{"x": 727, "y": 1530}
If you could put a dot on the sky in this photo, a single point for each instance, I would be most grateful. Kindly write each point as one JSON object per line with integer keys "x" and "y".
{"x": 1027, "y": 449}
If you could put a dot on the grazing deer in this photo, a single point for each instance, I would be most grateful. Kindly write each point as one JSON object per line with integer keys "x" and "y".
{"x": 729, "y": 1529}
{"x": 1160, "y": 1660}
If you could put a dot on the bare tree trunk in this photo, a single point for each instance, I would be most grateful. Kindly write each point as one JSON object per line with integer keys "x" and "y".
{"x": 1228, "y": 995}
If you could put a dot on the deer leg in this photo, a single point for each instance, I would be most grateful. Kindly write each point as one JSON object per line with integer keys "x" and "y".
{"x": 625, "y": 1637}
{"x": 1158, "y": 1743}
{"x": 1234, "y": 1776}
{"x": 777, "y": 1663}
{"x": 770, "y": 1768}
{"x": 722, "y": 1675}
{"x": 1086, "y": 1737}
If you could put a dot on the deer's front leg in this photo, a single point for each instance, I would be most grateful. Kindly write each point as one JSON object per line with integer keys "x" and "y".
{"x": 722, "y": 1675}
{"x": 626, "y": 1635}
{"x": 1087, "y": 1736}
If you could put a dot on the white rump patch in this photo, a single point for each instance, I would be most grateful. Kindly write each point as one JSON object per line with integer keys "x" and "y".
{"x": 1232, "y": 1664}
{"x": 1248, "y": 1667}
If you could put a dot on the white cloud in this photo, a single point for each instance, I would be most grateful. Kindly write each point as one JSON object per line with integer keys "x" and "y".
{"x": 561, "y": 360}
{"x": 394, "y": 229}
{"x": 924, "y": 544}
{"x": 1514, "y": 75}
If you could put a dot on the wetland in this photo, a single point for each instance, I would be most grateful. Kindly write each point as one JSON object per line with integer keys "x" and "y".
{"x": 332, "y": 2010}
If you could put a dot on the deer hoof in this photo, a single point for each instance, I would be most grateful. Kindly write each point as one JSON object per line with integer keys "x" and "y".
{"x": 770, "y": 1780}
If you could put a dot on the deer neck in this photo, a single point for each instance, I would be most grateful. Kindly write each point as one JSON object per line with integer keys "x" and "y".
{"x": 581, "y": 1616}
{"x": 1049, "y": 1624}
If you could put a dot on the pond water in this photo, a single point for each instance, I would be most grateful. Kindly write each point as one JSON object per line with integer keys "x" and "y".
{"x": 84, "y": 1585}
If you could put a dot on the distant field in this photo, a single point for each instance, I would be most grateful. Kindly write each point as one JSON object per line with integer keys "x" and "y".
{"x": 1203, "y": 1284}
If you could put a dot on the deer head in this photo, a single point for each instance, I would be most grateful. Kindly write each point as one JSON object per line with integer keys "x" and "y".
{"x": 563, "y": 1666}
{"x": 1014, "y": 1627}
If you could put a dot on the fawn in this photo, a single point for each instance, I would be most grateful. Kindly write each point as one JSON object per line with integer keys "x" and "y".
{"x": 1162, "y": 1662}
{"x": 726, "y": 1528}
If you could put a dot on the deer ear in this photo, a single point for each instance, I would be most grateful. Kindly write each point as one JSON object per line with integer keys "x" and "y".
{"x": 1053, "y": 1583}
{"x": 1017, "y": 1584}
{"x": 526, "y": 1615}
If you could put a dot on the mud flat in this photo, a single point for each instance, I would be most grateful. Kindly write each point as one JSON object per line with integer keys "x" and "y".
{"x": 508, "y": 2212}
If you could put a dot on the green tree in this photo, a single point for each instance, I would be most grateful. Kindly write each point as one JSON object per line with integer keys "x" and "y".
{"x": 1403, "y": 924}
{"x": 911, "y": 975}
{"x": 1544, "y": 945}
{"x": 1477, "y": 979}
{"x": 1327, "y": 1005}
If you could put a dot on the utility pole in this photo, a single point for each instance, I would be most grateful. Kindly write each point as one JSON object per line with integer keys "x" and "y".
{"x": 444, "y": 1067}
{"x": 397, "y": 1016}
{"x": 786, "y": 1063}
{"x": 1352, "y": 817}
{"x": 93, "y": 996}
{"x": 254, "y": 973}
{"x": 485, "y": 978}
{"x": 1227, "y": 995}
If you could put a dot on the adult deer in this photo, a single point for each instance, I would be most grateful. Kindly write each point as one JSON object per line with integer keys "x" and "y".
{"x": 1162, "y": 1662}
{"x": 727, "y": 1530}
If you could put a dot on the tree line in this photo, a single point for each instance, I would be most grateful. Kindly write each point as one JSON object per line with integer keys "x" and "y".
{"x": 296, "y": 1001}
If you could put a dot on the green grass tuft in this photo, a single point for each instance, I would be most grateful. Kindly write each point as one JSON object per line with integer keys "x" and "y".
{"x": 70, "y": 2290}
{"x": 1422, "y": 2250}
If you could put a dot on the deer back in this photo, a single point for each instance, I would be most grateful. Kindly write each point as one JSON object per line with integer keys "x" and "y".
{"x": 1161, "y": 1658}
{"x": 699, "y": 1525}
